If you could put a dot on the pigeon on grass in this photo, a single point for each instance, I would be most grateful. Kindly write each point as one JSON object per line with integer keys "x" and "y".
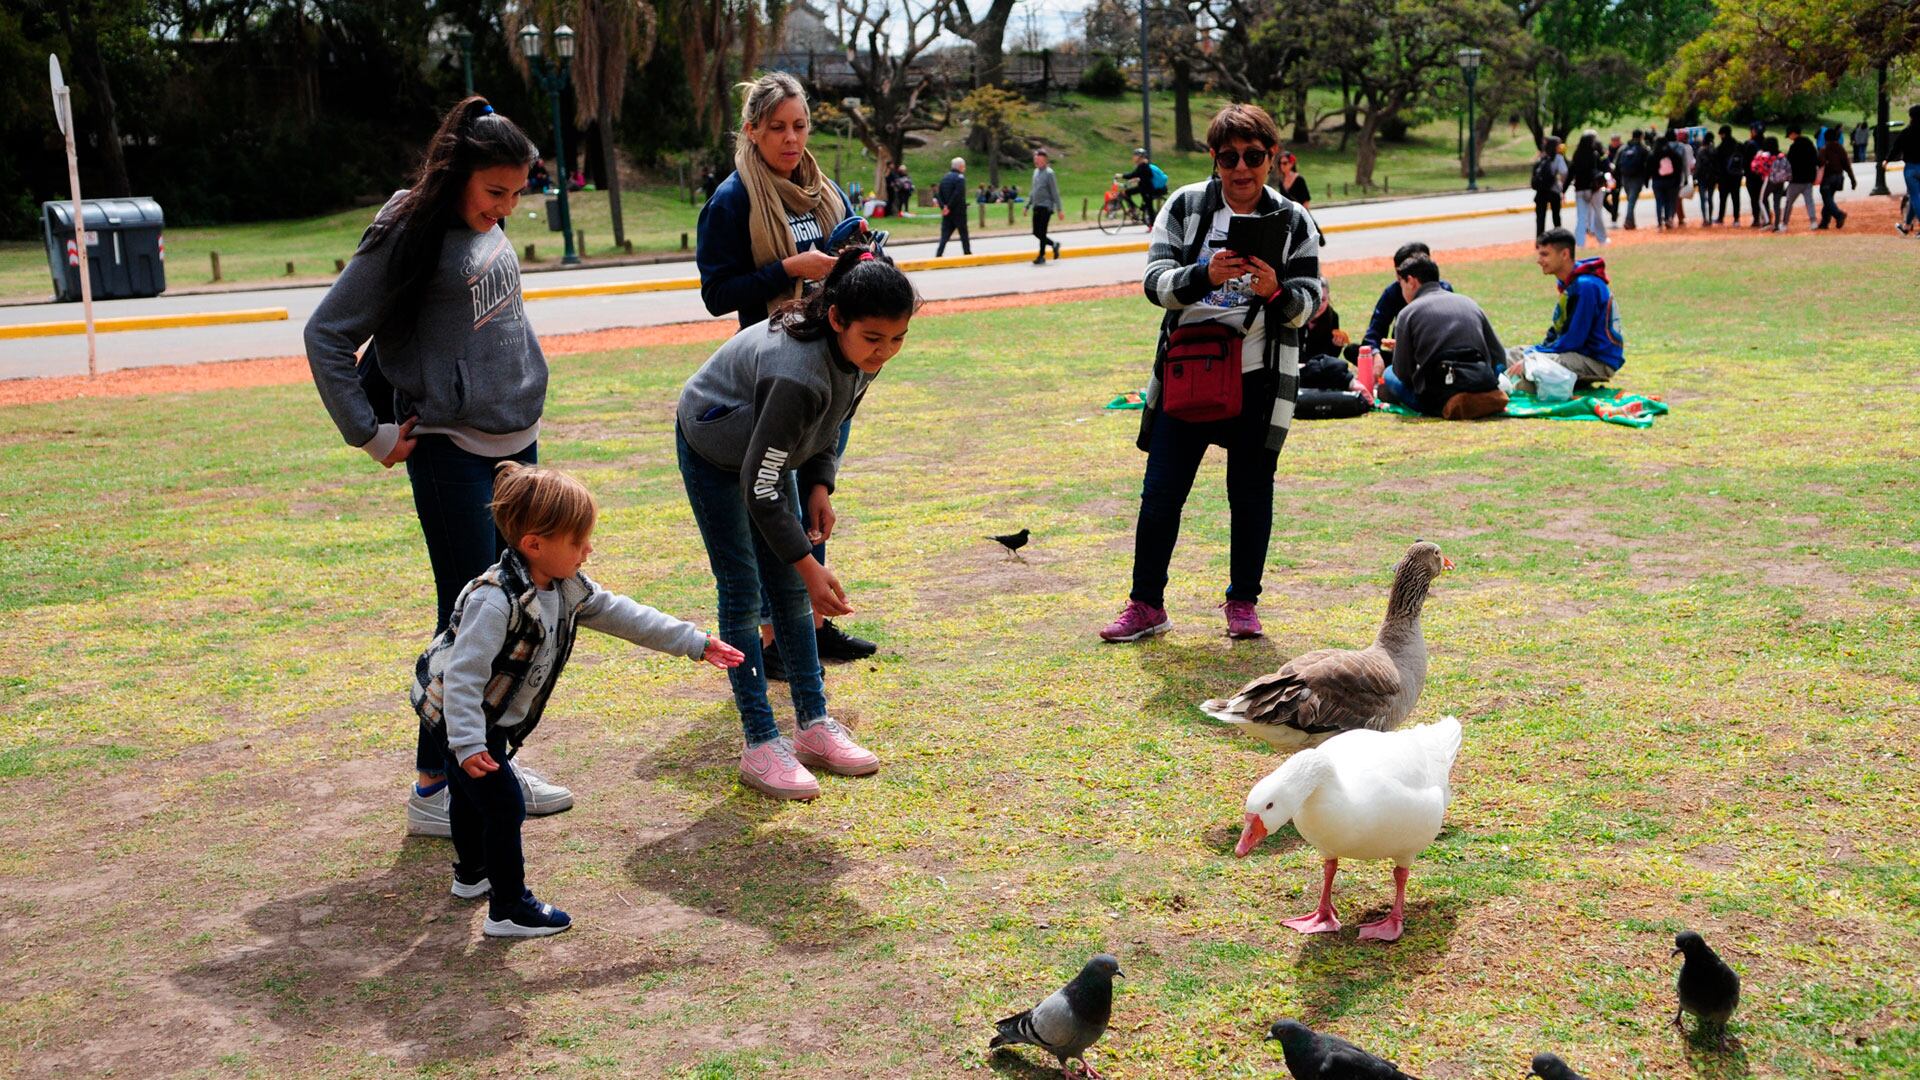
{"x": 1013, "y": 542}
{"x": 1071, "y": 1019}
{"x": 1708, "y": 988}
{"x": 1550, "y": 1067}
{"x": 1312, "y": 1056}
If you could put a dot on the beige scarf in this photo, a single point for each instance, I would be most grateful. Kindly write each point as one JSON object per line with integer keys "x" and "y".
{"x": 771, "y": 196}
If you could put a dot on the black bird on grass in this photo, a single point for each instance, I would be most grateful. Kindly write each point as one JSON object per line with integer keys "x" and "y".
{"x": 1071, "y": 1019}
{"x": 1013, "y": 542}
{"x": 1550, "y": 1067}
{"x": 1708, "y": 988}
{"x": 1312, "y": 1056}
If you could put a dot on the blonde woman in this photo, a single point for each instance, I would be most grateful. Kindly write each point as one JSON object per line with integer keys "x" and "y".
{"x": 761, "y": 240}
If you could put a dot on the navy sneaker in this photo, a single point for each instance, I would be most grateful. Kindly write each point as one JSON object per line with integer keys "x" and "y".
{"x": 836, "y": 644}
{"x": 530, "y": 919}
{"x": 770, "y": 659}
{"x": 470, "y": 887}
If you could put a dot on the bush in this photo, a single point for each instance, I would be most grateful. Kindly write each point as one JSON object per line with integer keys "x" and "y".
{"x": 1394, "y": 130}
{"x": 1103, "y": 79}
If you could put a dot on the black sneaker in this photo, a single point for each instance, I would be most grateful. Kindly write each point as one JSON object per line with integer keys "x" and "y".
{"x": 530, "y": 919}
{"x": 837, "y": 644}
{"x": 770, "y": 659}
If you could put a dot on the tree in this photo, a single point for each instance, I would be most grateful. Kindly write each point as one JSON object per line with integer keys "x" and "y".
{"x": 718, "y": 39}
{"x": 1591, "y": 58}
{"x": 1113, "y": 26}
{"x": 1768, "y": 51}
{"x": 995, "y": 111}
{"x": 611, "y": 38}
{"x": 883, "y": 42}
{"x": 988, "y": 34}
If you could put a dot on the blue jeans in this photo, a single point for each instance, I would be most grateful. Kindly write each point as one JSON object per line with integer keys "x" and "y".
{"x": 486, "y": 815}
{"x": 1174, "y": 454}
{"x": 1633, "y": 200}
{"x": 1666, "y": 202}
{"x": 1911, "y": 174}
{"x": 743, "y": 566}
{"x": 1589, "y": 216}
{"x": 452, "y": 491}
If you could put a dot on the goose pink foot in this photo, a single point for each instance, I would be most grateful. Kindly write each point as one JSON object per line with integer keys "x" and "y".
{"x": 1321, "y": 920}
{"x": 1389, "y": 928}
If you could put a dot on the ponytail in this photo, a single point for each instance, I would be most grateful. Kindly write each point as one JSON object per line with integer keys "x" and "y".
{"x": 863, "y": 284}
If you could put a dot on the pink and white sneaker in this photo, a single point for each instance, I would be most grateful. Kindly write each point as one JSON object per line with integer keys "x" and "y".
{"x": 826, "y": 745}
{"x": 1137, "y": 621}
{"x": 1242, "y": 622}
{"x": 771, "y": 769}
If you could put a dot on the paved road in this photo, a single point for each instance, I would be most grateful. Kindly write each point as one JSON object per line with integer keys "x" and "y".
{"x": 65, "y": 355}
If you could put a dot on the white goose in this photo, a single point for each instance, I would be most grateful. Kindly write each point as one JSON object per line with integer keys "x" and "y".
{"x": 1317, "y": 695}
{"x": 1360, "y": 795}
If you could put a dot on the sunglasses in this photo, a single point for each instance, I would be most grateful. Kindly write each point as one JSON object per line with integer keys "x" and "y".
{"x": 1231, "y": 159}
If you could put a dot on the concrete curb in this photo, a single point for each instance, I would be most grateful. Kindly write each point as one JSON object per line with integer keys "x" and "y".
{"x": 144, "y": 322}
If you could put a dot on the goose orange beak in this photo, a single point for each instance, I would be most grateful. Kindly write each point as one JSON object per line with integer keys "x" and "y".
{"x": 1446, "y": 563}
{"x": 1255, "y": 832}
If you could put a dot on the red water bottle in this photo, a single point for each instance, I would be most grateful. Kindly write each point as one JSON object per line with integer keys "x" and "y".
{"x": 1366, "y": 373}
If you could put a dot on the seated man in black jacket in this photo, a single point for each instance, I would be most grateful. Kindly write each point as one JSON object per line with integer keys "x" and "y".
{"x": 1392, "y": 299}
{"x": 1444, "y": 348}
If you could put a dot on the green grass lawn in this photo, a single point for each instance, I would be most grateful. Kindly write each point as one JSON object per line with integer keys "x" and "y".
{"x": 1684, "y": 658}
{"x": 1094, "y": 139}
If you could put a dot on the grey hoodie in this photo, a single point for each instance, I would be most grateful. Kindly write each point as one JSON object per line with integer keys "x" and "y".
{"x": 466, "y": 359}
{"x": 764, "y": 405}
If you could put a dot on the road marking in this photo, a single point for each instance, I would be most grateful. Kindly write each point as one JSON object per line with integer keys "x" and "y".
{"x": 145, "y": 322}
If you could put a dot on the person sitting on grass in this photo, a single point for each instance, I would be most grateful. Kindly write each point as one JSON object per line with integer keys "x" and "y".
{"x": 1585, "y": 334}
{"x": 1444, "y": 351}
{"x": 1323, "y": 346}
{"x": 1392, "y": 298}
{"x": 482, "y": 684}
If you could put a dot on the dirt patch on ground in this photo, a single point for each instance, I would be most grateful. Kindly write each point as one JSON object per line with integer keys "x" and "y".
{"x": 1877, "y": 215}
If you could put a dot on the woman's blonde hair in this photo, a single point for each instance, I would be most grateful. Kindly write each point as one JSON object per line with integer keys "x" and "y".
{"x": 531, "y": 501}
{"x": 761, "y": 96}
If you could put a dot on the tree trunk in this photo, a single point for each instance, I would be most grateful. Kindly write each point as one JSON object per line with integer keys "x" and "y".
{"x": 1482, "y": 132}
{"x": 1302, "y": 134}
{"x": 1347, "y": 124}
{"x": 605, "y": 124}
{"x": 1183, "y": 106}
{"x": 92, "y": 70}
{"x": 1365, "y": 154}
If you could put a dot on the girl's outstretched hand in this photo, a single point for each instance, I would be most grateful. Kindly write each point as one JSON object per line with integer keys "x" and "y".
{"x": 721, "y": 655}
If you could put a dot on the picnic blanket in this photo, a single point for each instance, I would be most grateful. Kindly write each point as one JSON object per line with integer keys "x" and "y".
{"x": 1597, "y": 403}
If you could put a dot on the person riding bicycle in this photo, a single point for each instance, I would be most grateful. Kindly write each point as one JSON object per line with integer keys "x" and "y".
{"x": 1146, "y": 180}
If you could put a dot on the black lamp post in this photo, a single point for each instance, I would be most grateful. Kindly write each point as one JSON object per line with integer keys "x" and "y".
{"x": 464, "y": 39}
{"x": 1146, "y": 100}
{"x": 1880, "y": 141}
{"x": 553, "y": 76}
{"x": 1469, "y": 61}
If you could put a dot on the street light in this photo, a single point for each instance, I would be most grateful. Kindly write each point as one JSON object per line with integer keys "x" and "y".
{"x": 553, "y": 77}
{"x": 1469, "y": 61}
{"x": 464, "y": 39}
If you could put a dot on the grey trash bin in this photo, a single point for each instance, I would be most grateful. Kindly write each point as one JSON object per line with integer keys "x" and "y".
{"x": 126, "y": 255}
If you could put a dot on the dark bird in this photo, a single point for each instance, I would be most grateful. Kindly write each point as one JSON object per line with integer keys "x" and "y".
{"x": 1550, "y": 1067}
{"x": 1071, "y": 1019}
{"x": 1709, "y": 989}
{"x": 1013, "y": 542}
{"x": 1312, "y": 1056}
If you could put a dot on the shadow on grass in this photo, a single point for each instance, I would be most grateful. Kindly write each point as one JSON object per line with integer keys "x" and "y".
{"x": 735, "y": 862}
{"x": 1338, "y": 972}
{"x": 1190, "y": 674}
{"x": 1026, "y": 1062}
{"x": 394, "y": 953}
{"x": 1710, "y": 1060}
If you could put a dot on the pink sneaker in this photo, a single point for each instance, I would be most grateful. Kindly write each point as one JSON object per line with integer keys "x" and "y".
{"x": 826, "y": 745}
{"x": 1241, "y": 620}
{"x": 771, "y": 769}
{"x": 1137, "y": 621}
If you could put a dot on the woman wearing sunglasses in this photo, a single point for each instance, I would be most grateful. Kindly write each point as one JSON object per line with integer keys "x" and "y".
{"x": 1251, "y": 306}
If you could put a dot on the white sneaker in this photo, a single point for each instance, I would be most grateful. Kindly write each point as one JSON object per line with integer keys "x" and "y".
{"x": 470, "y": 890}
{"x": 429, "y": 815}
{"x": 542, "y": 795}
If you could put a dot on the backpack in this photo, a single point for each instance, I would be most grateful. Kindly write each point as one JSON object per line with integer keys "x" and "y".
{"x": 1758, "y": 165}
{"x": 1732, "y": 163}
{"x": 1452, "y": 371}
{"x": 1159, "y": 178}
{"x": 1632, "y": 162}
{"x": 1779, "y": 170}
{"x": 1543, "y": 174}
{"x": 1666, "y": 164}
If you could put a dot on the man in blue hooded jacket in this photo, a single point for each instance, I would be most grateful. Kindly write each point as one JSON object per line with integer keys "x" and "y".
{"x": 1585, "y": 335}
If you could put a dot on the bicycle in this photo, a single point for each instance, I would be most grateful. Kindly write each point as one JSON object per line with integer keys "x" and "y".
{"x": 1117, "y": 211}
